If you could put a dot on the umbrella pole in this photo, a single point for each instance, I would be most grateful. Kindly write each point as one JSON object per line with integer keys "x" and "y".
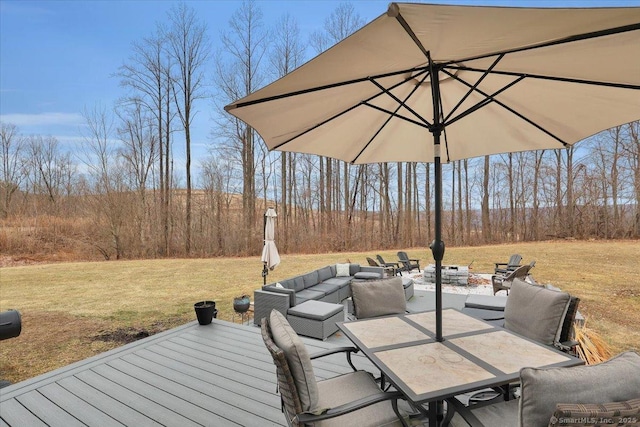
{"x": 265, "y": 270}
{"x": 437, "y": 246}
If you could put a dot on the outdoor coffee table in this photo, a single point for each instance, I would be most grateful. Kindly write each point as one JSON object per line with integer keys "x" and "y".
{"x": 474, "y": 355}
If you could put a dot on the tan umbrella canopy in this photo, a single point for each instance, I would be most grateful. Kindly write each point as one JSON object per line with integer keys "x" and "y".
{"x": 270, "y": 256}
{"x": 433, "y": 83}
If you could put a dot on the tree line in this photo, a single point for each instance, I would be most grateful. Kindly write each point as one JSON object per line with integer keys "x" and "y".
{"x": 122, "y": 195}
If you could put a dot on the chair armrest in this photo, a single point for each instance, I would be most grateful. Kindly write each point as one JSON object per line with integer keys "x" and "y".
{"x": 347, "y": 350}
{"x": 370, "y": 269}
{"x": 265, "y": 301}
{"x": 308, "y": 418}
{"x": 498, "y": 264}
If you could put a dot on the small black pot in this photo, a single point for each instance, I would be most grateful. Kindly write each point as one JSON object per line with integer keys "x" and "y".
{"x": 241, "y": 304}
{"x": 205, "y": 311}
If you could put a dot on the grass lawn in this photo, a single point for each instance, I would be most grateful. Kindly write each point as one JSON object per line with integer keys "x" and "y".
{"x": 71, "y": 311}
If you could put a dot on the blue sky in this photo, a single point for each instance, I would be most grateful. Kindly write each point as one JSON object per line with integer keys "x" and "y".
{"x": 58, "y": 57}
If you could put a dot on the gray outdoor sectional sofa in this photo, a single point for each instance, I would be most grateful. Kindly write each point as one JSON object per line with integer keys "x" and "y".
{"x": 328, "y": 284}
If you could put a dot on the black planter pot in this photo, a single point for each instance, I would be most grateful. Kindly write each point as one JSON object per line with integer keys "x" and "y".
{"x": 205, "y": 311}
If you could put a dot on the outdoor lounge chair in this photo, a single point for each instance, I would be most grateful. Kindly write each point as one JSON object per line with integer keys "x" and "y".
{"x": 553, "y": 396}
{"x": 408, "y": 263}
{"x": 506, "y": 267}
{"x": 503, "y": 282}
{"x": 390, "y": 269}
{"x": 383, "y": 263}
{"x": 352, "y": 399}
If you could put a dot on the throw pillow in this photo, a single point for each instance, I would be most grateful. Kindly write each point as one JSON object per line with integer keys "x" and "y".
{"x": 342, "y": 270}
{"x": 374, "y": 298}
{"x": 616, "y": 380}
{"x": 279, "y": 285}
{"x": 625, "y": 413}
{"x": 298, "y": 359}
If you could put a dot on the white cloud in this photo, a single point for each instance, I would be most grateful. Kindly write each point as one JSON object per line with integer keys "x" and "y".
{"x": 42, "y": 119}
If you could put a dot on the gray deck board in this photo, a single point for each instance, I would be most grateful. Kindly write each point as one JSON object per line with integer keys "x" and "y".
{"x": 215, "y": 375}
{"x": 18, "y": 415}
{"x": 106, "y": 403}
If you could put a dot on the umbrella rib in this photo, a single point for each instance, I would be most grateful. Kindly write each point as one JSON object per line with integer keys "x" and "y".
{"x": 470, "y": 91}
{"x": 393, "y": 114}
{"x": 323, "y": 87}
{"x": 569, "y": 39}
{"x": 543, "y": 77}
{"x": 365, "y": 102}
{"x": 488, "y": 99}
{"x": 403, "y": 103}
{"x": 511, "y": 110}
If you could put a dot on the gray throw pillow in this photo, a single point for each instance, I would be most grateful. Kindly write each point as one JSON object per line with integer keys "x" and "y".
{"x": 535, "y": 312}
{"x": 374, "y": 298}
{"x": 298, "y": 359}
{"x": 615, "y": 380}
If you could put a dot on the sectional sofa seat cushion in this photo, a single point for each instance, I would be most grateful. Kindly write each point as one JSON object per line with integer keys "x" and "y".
{"x": 616, "y": 380}
{"x": 309, "y": 294}
{"x": 339, "y": 281}
{"x": 325, "y": 287}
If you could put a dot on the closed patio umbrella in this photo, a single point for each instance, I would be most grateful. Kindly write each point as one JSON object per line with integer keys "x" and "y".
{"x": 270, "y": 256}
{"x": 436, "y": 83}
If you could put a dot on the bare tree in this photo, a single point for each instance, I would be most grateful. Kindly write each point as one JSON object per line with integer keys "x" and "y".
{"x": 12, "y": 144}
{"x": 147, "y": 74}
{"x": 189, "y": 48}
{"x": 287, "y": 53}
{"x": 238, "y": 73}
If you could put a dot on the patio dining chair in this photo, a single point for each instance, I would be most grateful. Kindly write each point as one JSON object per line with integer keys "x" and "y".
{"x": 352, "y": 399}
{"x": 408, "y": 263}
{"x": 551, "y": 397}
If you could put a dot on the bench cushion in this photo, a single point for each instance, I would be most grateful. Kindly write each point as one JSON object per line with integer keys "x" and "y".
{"x": 315, "y": 310}
{"x": 366, "y": 275}
{"x": 486, "y": 302}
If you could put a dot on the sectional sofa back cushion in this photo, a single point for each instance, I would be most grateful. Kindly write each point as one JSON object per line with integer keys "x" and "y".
{"x": 299, "y": 283}
{"x": 310, "y": 279}
{"x": 353, "y": 269}
{"x": 616, "y": 380}
{"x": 325, "y": 273}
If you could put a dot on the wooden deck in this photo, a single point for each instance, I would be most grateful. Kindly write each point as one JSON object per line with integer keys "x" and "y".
{"x": 215, "y": 375}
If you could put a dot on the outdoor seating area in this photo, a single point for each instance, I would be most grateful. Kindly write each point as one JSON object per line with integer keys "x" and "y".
{"x": 315, "y": 301}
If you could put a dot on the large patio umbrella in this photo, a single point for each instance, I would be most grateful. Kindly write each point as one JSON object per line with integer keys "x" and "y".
{"x": 435, "y": 83}
{"x": 270, "y": 257}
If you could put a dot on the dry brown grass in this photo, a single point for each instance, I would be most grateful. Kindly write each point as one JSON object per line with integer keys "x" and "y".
{"x": 74, "y": 310}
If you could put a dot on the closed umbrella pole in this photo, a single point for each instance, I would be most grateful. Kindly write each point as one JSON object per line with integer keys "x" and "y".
{"x": 270, "y": 257}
